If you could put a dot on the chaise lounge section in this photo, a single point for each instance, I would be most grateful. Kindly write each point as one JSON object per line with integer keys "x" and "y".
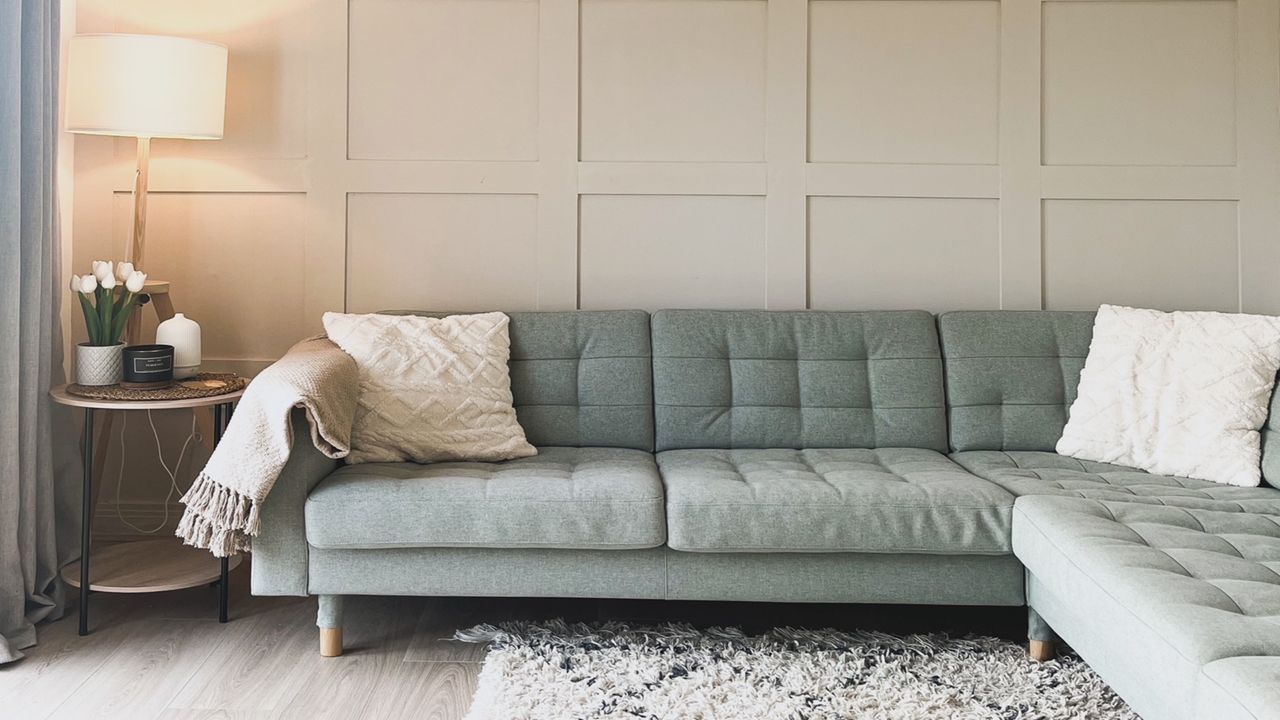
{"x": 1152, "y": 597}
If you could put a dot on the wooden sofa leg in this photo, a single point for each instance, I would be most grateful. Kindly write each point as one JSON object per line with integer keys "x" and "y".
{"x": 330, "y": 642}
{"x": 1041, "y": 636}
{"x": 1042, "y": 650}
{"x": 329, "y": 620}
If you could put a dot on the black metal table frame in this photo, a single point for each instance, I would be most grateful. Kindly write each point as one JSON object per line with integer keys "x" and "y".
{"x": 221, "y": 416}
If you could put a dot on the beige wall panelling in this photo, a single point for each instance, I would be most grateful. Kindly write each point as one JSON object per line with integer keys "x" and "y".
{"x": 441, "y": 252}
{"x": 786, "y": 250}
{"x": 1162, "y": 101}
{"x": 666, "y": 251}
{"x": 1150, "y": 82}
{"x": 266, "y": 72}
{"x": 672, "y": 178}
{"x": 443, "y": 79}
{"x": 903, "y": 180}
{"x": 557, "y": 268}
{"x": 504, "y": 123}
{"x": 677, "y": 80}
{"x": 1021, "y": 261}
{"x": 903, "y": 105}
{"x": 893, "y": 253}
{"x": 439, "y": 176}
{"x": 233, "y": 260}
{"x": 1258, "y": 156}
{"x": 1140, "y": 183}
{"x": 327, "y": 163}
{"x": 904, "y": 81}
{"x": 294, "y": 53}
{"x": 1167, "y": 254}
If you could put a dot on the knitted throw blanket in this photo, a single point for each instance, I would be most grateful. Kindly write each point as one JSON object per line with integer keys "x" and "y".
{"x": 222, "y": 505}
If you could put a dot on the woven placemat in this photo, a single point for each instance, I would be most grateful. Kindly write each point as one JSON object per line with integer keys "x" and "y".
{"x": 202, "y": 385}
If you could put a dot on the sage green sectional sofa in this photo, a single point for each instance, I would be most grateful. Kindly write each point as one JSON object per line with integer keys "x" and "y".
{"x": 857, "y": 457}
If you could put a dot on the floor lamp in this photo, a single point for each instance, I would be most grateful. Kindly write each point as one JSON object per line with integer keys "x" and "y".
{"x": 144, "y": 86}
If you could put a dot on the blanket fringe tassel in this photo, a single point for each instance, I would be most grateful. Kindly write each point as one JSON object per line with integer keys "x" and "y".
{"x": 217, "y": 518}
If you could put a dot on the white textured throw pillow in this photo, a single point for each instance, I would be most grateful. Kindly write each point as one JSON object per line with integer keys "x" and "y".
{"x": 1180, "y": 393}
{"x": 431, "y": 389}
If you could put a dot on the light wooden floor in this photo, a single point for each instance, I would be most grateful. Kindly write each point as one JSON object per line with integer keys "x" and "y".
{"x": 166, "y": 656}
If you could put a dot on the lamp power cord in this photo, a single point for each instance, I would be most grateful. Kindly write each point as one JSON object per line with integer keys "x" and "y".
{"x": 171, "y": 472}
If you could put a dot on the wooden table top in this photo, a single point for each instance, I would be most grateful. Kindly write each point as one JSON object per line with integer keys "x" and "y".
{"x": 62, "y": 397}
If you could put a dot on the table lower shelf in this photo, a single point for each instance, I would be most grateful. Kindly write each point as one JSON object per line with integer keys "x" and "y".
{"x": 147, "y": 566}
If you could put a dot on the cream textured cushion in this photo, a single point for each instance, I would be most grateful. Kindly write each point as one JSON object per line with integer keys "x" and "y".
{"x": 1180, "y": 393}
{"x": 431, "y": 389}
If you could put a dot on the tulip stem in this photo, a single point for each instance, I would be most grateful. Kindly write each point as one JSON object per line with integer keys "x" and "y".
{"x": 90, "y": 319}
{"x": 106, "y": 299}
{"x": 122, "y": 316}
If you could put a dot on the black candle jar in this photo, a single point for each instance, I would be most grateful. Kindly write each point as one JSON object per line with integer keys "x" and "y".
{"x": 148, "y": 366}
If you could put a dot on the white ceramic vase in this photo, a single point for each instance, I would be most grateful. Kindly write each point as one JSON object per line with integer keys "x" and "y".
{"x": 183, "y": 334}
{"x": 99, "y": 364}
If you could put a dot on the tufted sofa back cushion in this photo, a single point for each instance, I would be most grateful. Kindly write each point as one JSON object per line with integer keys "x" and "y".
{"x": 804, "y": 379}
{"x": 1012, "y": 375}
{"x": 582, "y": 378}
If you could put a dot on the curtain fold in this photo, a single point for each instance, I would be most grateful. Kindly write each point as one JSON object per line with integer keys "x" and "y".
{"x": 39, "y": 509}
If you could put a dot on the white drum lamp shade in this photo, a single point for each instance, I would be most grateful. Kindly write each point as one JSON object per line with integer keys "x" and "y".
{"x": 146, "y": 86}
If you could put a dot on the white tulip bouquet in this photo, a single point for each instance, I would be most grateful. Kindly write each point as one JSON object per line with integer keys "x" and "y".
{"x": 108, "y": 312}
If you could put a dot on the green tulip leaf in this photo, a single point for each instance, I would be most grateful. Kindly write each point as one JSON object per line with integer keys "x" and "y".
{"x": 122, "y": 315}
{"x": 106, "y": 301}
{"x": 91, "y": 320}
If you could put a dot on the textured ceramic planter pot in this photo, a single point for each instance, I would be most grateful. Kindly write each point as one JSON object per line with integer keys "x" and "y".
{"x": 98, "y": 364}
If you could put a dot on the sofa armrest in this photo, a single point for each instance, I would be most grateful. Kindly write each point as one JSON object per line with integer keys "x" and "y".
{"x": 280, "y": 548}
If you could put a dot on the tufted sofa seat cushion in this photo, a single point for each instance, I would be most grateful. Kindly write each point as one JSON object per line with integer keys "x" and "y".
{"x": 1151, "y": 594}
{"x": 887, "y": 500}
{"x": 1243, "y": 688}
{"x": 584, "y": 498}
{"x": 1046, "y": 473}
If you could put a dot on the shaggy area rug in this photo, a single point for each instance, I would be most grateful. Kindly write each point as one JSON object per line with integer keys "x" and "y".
{"x": 554, "y": 670}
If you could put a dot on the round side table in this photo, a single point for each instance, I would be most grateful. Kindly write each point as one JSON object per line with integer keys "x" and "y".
{"x": 148, "y": 565}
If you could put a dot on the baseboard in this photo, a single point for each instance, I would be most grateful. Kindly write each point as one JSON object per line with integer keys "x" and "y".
{"x": 146, "y": 514}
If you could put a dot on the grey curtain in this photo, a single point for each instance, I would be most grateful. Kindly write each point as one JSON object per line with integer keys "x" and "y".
{"x": 38, "y": 499}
